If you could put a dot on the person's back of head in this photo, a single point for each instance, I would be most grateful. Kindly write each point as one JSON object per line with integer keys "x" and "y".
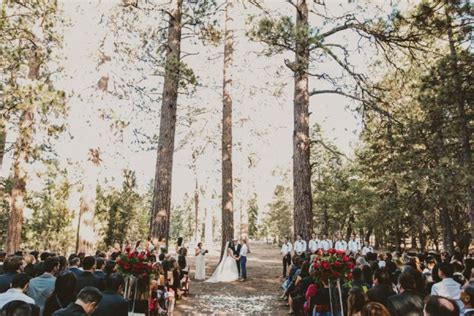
{"x": 20, "y": 281}
{"x": 440, "y": 306}
{"x": 114, "y": 282}
{"x": 65, "y": 285}
{"x": 407, "y": 280}
{"x": 356, "y": 300}
{"x": 74, "y": 262}
{"x": 99, "y": 263}
{"x": 357, "y": 274}
{"x": 467, "y": 296}
{"x": 13, "y": 264}
{"x": 446, "y": 269}
{"x": 89, "y": 298}
{"x": 88, "y": 263}
{"x": 44, "y": 255}
{"x": 375, "y": 309}
{"x": 62, "y": 263}
{"x": 51, "y": 265}
{"x": 20, "y": 308}
{"x": 382, "y": 276}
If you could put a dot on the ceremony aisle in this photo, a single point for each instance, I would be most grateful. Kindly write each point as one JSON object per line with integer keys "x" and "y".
{"x": 257, "y": 296}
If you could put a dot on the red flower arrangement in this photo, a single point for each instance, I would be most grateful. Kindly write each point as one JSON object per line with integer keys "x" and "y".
{"x": 335, "y": 265}
{"x": 135, "y": 263}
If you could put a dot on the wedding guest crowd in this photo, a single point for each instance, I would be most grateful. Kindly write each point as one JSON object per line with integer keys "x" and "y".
{"x": 47, "y": 284}
{"x": 382, "y": 284}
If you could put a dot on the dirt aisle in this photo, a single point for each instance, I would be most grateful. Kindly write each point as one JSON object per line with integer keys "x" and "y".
{"x": 257, "y": 296}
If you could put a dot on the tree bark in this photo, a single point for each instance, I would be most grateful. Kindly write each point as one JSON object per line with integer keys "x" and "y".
{"x": 464, "y": 130}
{"x": 303, "y": 213}
{"x": 227, "y": 178}
{"x": 3, "y": 139}
{"x": 160, "y": 222}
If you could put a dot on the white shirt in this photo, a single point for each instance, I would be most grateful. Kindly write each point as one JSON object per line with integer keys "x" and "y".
{"x": 354, "y": 245}
{"x": 325, "y": 244}
{"x": 341, "y": 245}
{"x": 313, "y": 245}
{"x": 366, "y": 250}
{"x": 14, "y": 295}
{"x": 286, "y": 249}
{"x": 450, "y": 289}
{"x": 243, "y": 251}
{"x": 300, "y": 246}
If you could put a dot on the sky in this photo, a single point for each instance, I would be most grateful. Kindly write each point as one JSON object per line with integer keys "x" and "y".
{"x": 262, "y": 101}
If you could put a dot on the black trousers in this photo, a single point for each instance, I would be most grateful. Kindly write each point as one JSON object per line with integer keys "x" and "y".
{"x": 286, "y": 263}
{"x": 238, "y": 266}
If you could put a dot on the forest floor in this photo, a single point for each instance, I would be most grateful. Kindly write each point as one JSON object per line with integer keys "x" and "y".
{"x": 257, "y": 296}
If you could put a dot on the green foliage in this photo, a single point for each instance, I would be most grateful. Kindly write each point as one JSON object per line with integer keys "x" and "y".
{"x": 182, "y": 219}
{"x": 124, "y": 213}
{"x": 252, "y": 212}
{"x": 279, "y": 217}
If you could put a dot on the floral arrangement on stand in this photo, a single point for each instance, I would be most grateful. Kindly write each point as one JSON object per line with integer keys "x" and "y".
{"x": 333, "y": 268}
{"x": 135, "y": 266}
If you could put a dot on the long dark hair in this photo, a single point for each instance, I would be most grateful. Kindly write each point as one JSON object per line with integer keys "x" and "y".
{"x": 64, "y": 287}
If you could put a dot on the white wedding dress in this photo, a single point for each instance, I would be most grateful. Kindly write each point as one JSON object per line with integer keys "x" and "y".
{"x": 226, "y": 271}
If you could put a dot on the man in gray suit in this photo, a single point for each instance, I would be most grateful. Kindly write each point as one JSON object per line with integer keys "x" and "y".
{"x": 42, "y": 286}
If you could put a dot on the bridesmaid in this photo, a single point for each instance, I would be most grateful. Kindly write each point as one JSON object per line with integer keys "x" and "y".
{"x": 200, "y": 263}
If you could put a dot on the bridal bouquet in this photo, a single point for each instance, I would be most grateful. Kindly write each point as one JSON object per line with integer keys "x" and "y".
{"x": 333, "y": 266}
{"x": 138, "y": 264}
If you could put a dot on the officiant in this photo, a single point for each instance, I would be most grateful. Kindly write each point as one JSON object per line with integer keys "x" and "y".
{"x": 235, "y": 246}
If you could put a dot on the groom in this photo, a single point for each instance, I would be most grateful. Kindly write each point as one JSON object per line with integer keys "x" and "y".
{"x": 236, "y": 250}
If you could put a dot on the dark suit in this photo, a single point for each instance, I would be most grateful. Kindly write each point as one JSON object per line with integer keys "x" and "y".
{"x": 76, "y": 271}
{"x": 380, "y": 293}
{"x": 70, "y": 310}
{"x": 111, "y": 304}
{"x": 101, "y": 276}
{"x": 88, "y": 279}
{"x": 6, "y": 280}
{"x": 408, "y": 303}
{"x": 236, "y": 251}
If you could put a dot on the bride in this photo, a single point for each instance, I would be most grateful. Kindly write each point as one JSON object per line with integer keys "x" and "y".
{"x": 226, "y": 271}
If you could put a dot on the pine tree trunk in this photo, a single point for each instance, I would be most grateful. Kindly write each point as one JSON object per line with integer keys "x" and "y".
{"x": 160, "y": 222}
{"x": 464, "y": 131}
{"x": 303, "y": 213}
{"x": 18, "y": 191}
{"x": 3, "y": 139}
{"x": 227, "y": 179}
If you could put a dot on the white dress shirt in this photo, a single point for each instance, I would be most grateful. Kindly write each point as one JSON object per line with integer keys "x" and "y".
{"x": 326, "y": 244}
{"x": 341, "y": 245}
{"x": 300, "y": 247}
{"x": 243, "y": 251}
{"x": 366, "y": 250}
{"x": 313, "y": 245}
{"x": 14, "y": 295}
{"x": 354, "y": 245}
{"x": 286, "y": 249}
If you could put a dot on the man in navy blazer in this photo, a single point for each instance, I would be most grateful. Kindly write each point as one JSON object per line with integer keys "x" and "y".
{"x": 112, "y": 303}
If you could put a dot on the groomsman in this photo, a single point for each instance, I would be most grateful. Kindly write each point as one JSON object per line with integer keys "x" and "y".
{"x": 354, "y": 245}
{"x": 300, "y": 246}
{"x": 313, "y": 244}
{"x": 326, "y": 243}
{"x": 367, "y": 248}
{"x": 286, "y": 249}
{"x": 341, "y": 244}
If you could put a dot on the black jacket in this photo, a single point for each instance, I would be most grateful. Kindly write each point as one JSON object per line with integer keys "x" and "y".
{"x": 408, "y": 303}
{"x": 111, "y": 304}
{"x": 88, "y": 279}
{"x": 236, "y": 249}
{"x": 380, "y": 293}
{"x": 71, "y": 310}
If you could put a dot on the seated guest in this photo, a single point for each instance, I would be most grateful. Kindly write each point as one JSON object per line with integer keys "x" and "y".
{"x": 39, "y": 266}
{"x": 467, "y": 297}
{"x": 42, "y": 286}
{"x": 62, "y": 265}
{"x": 409, "y": 301}
{"x": 367, "y": 275}
{"x": 110, "y": 267}
{"x": 87, "y": 277}
{"x": 447, "y": 287}
{"x": 375, "y": 309}
{"x": 382, "y": 288}
{"x": 17, "y": 291}
{"x": 64, "y": 293}
{"x": 74, "y": 264}
{"x": 112, "y": 303}
{"x": 29, "y": 268}
{"x": 297, "y": 296}
{"x": 440, "y": 306}
{"x": 99, "y": 268}
{"x": 87, "y": 301}
{"x": 12, "y": 267}
{"x": 357, "y": 280}
{"x": 356, "y": 301}
{"x": 20, "y": 308}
